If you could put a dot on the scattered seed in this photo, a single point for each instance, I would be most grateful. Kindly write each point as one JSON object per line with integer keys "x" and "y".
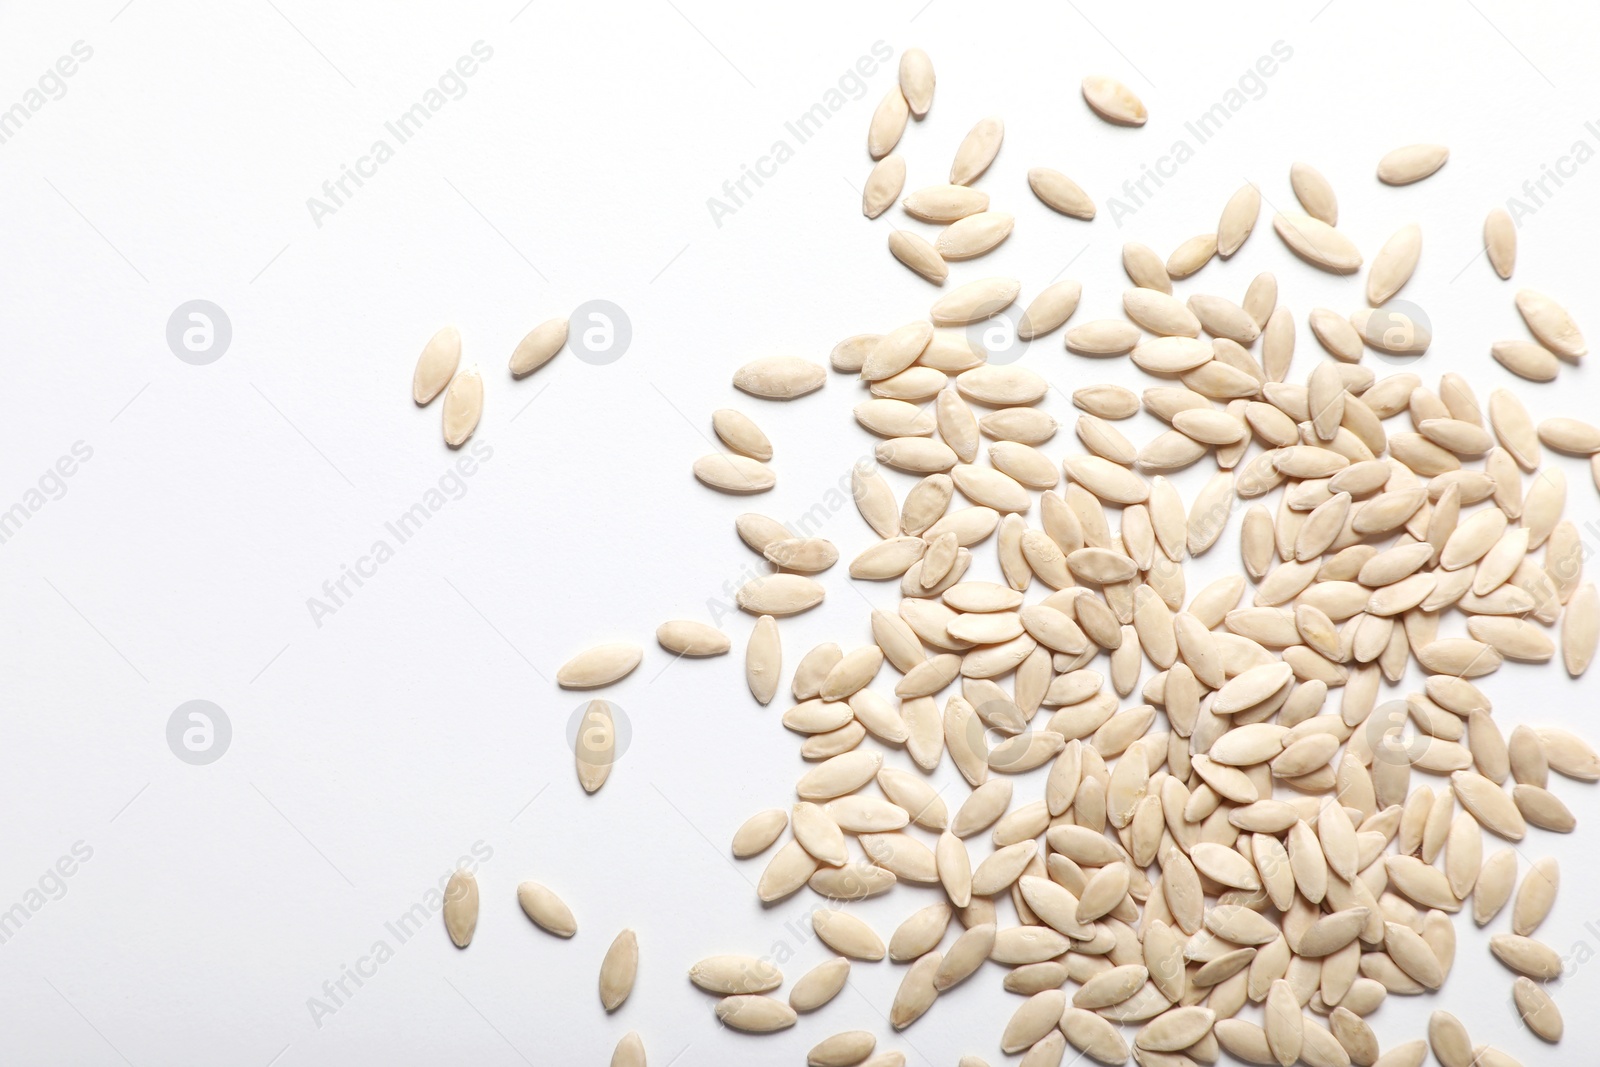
{"x": 599, "y": 666}
{"x": 436, "y": 365}
{"x": 1537, "y": 1010}
{"x": 461, "y": 907}
{"x": 1113, "y": 101}
{"x": 629, "y": 1051}
{"x": 915, "y": 252}
{"x": 1190, "y": 256}
{"x": 1318, "y": 243}
{"x": 917, "y": 80}
{"x": 977, "y": 150}
{"x": 463, "y": 407}
{"x": 1551, "y": 324}
{"x": 1060, "y": 193}
{"x": 888, "y": 123}
{"x": 753, "y": 1013}
{"x": 779, "y": 377}
{"x": 974, "y": 235}
{"x": 1392, "y": 266}
{"x": 1314, "y": 193}
{"x": 1500, "y": 241}
{"x": 882, "y": 189}
{"x": 1049, "y": 310}
{"x": 539, "y": 347}
{"x": 819, "y": 985}
{"x": 618, "y": 969}
{"x": 1411, "y": 163}
{"x": 974, "y": 302}
{"x": 945, "y": 203}
{"x": 1238, "y": 219}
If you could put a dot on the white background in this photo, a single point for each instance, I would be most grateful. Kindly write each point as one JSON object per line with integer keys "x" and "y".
{"x": 370, "y": 752}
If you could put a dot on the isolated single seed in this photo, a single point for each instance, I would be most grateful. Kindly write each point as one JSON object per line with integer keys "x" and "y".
{"x": 599, "y": 666}
{"x": 688, "y": 637}
{"x": 546, "y": 909}
{"x": 1060, "y": 193}
{"x": 763, "y": 660}
{"x": 779, "y": 377}
{"x": 1500, "y": 241}
{"x": 1113, "y": 101}
{"x": 618, "y": 969}
{"x": 461, "y": 907}
{"x": 539, "y": 347}
{"x": 595, "y": 747}
{"x": 1411, "y": 163}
